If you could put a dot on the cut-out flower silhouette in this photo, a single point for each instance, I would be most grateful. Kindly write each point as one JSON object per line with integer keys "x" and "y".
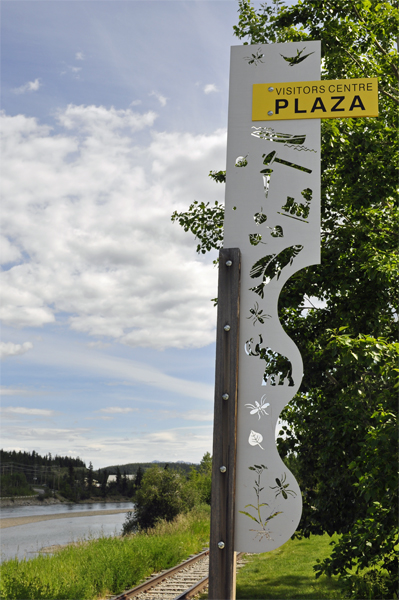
{"x": 262, "y": 531}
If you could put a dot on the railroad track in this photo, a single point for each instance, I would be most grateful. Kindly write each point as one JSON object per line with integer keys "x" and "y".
{"x": 178, "y": 583}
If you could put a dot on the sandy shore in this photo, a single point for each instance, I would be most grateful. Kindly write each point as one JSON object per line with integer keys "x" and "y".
{"x": 14, "y": 522}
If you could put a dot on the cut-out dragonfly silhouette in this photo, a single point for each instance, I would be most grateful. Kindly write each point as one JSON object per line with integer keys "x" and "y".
{"x": 256, "y": 58}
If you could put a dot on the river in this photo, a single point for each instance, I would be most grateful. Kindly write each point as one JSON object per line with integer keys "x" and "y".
{"x": 64, "y": 526}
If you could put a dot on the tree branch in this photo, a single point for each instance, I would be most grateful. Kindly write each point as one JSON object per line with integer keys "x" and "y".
{"x": 374, "y": 39}
{"x": 365, "y": 72}
{"x": 331, "y": 378}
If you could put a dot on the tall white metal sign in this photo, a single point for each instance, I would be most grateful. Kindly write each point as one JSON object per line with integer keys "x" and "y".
{"x": 273, "y": 216}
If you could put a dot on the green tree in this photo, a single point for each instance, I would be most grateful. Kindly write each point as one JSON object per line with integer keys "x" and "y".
{"x": 90, "y": 479}
{"x": 14, "y": 484}
{"x": 163, "y": 494}
{"x": 103, "y": 475}
{"x": 125, "y": 483}
{"x": 118, "y": 479}
{"x": 201, "y": 479}
{"x": 71, "y": 476}
{"x": 341, "y": 424}
{"x": 138, "y": 479}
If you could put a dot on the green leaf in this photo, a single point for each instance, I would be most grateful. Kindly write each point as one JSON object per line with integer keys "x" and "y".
{"x": 243, "y": 512}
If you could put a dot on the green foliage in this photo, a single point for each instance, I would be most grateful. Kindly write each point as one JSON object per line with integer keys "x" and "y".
{"x": 341, "y": 424}
{"x": 220, "y": 176}
{"x": 14, "y": 484}
{"x": 138, "y": 478}
{"x": 163, "y": 494}
{"x": 90, "y": 479}
{"x": 201, "y": 480}
{"x": 33, "y": 460}
{"x": 205, "y": 222}
{"x": 104, "y": 567}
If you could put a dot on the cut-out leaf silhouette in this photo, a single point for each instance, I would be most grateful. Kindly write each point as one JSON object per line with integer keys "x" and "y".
{"x": 271, "y": 266}
{"x": 260, "y": 217}
{"x": 255, "y": 239}
{"x": 255, "y": 439}
{"x": 277, "y": 231}
{"x": 244, "y": 512}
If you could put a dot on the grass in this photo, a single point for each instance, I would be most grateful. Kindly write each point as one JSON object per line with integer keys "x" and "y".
{"x": 95, "y": 568}
{"x": 287, "y": 573}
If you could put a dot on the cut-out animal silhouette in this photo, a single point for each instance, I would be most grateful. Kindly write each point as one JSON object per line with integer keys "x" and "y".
{"x": 278, "y": 368}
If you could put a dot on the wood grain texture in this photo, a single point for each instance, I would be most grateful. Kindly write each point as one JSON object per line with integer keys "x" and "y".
{"x": 222, "y": 563}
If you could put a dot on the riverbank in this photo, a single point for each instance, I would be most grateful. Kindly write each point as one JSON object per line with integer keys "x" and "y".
{"x": 15, "y": 521}
{"x": 26, "y": 530}
{"x": 97, "y": 568}
{"x": 35, "y": 501}
{"x": 29, "y": 501}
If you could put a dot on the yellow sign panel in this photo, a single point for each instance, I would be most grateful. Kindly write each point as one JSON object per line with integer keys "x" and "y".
{"x": 323, "y": 99}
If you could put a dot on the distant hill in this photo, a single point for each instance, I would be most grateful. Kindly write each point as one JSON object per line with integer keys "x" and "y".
{"x": 131, "y": 468}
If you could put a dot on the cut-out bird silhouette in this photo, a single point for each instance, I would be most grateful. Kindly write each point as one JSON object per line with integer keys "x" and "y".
{"x": 295, "y": 60}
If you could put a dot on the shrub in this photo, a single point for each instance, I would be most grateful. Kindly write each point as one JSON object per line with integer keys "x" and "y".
{"x": 163, "y": 494}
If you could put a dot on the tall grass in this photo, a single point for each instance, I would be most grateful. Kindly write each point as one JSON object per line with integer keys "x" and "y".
{"x": 95, "y": 568}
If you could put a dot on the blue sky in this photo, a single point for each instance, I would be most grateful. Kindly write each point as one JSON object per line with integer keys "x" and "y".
{"x": 113, "y": 113}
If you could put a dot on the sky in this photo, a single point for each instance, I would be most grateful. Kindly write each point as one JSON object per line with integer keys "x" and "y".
{"x": 113, "y": 114}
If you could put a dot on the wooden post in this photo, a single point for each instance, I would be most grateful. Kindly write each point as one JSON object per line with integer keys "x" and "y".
{"x": 222, "y": 558}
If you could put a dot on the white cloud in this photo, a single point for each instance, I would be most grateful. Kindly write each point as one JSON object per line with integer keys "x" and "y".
{"x": 198, "y": 415}
{"x": 7, "y": 411}
{"x": 161, "y": 99}
{"x": 10, "y": 349}
{"x": 88, "y": 213}
{"x": 7, "y": 391}
{"x": 46, "y": 435}
{"x": 8, "y": 251}
{"x": 31, "y": 86}
{"x": 97, "y": 344}
{"x": 79, "y": 56}
{"x": 191, "y": 415}
{"x": 117, "y": 410}
{"x": 74, "y": 359}
{"x": 162, "y": 436}
{"x": 210, "y": 88}
{"x": 188, "y": 443}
